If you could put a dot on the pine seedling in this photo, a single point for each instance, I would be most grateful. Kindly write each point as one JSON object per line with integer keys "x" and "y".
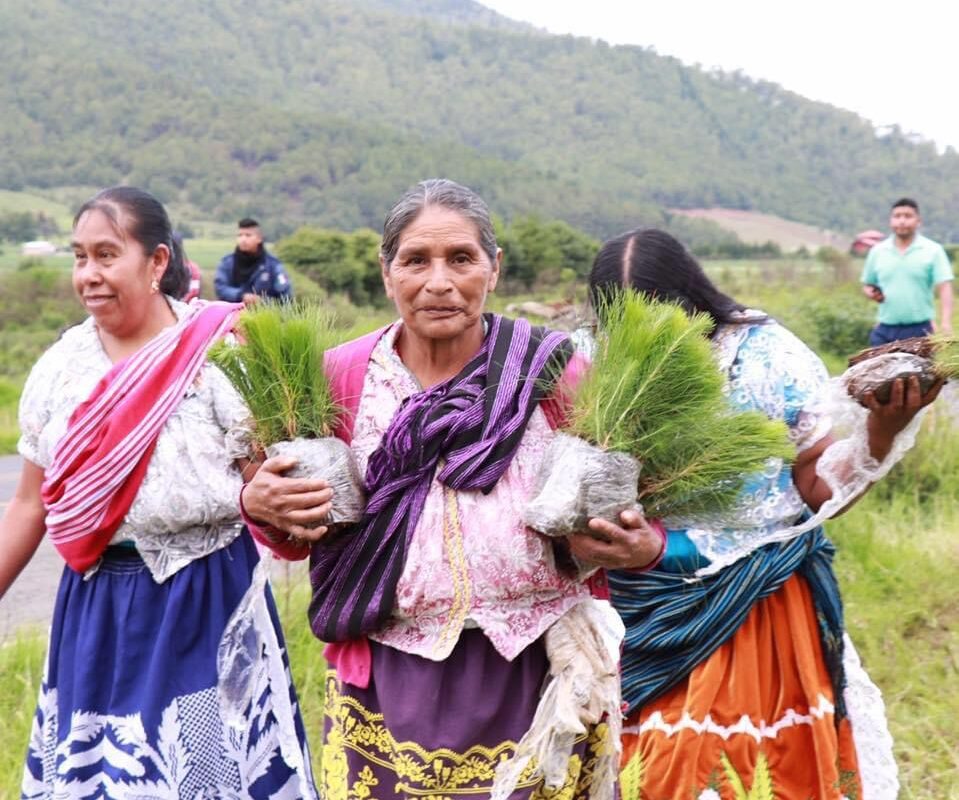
{"x": 277, "y": 368}
{"x": 655, "y": 391}
{"x": 945, "y": 356}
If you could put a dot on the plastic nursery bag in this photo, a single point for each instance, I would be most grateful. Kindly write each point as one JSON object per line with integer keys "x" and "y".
{"x": 332, "y": 460}
{"x": 583, "y": 648}
{"x": 578, "y": 481}
{"x": 878, "y": 373}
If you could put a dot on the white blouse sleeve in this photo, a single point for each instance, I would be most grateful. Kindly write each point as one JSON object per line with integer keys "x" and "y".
{"x": 231, "y": 413}
{"x": 35, "y": 409}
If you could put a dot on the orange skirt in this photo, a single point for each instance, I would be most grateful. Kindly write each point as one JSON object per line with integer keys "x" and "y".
{"x": 755, "y": 720}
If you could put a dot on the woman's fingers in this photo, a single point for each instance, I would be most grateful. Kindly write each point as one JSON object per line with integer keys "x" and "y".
{"x": 631, "y": 519}
{"x": 905, "y": 395}
{"x": 593, "y": 551}
{"x": 278, "y": 464}
{"x": 271, "y": 498}
{"x": 933, "y": 392}
{"x": 307, "y": 516}
{"x": 270, "y": 479}
{"x": 286, "y": 502}
{"x": 300, "y": 534}
{"x": 632, "y": 544}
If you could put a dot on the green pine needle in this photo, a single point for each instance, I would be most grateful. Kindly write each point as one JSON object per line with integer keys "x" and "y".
{"x": 278, "y": 370}
{"x": 656, "y": 392}
{"x": 945, "y": 356}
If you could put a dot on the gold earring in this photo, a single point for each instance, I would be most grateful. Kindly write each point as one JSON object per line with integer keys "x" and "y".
{"x": 154, "y": 286}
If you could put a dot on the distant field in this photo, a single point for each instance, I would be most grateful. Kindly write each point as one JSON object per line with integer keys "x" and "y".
{"x": 10, "y": 258}
{"x": 755, "y": 228}
{"x": 208, "y": 252}
{"x": 23, "y": 201}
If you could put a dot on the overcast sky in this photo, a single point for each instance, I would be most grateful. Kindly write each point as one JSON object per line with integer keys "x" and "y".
{"x": 891, "y": 61}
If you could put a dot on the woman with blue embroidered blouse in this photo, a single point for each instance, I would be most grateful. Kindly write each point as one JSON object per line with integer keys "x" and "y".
{"x": 735, "y": 664}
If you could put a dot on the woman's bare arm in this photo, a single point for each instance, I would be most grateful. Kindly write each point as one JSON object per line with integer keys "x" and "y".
{"x": 22, "y": 527}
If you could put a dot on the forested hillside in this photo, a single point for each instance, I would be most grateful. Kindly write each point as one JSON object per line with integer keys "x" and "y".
{"x": 322, "y": 111}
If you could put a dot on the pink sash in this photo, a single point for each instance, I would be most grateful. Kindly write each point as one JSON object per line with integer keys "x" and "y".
{"x": 102, "y": 459}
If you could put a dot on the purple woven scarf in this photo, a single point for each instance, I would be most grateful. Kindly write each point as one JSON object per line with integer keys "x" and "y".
{"x": 475, "y": 422}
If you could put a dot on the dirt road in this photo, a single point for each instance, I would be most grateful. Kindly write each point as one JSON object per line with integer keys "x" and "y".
{"x": 30, "y": 599}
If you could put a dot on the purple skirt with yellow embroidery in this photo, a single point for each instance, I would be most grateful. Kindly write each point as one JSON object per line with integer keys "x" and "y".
{"x": 438, "y": 729}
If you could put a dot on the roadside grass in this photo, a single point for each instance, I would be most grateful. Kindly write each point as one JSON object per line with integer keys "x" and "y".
{"x": 21, "y": 668}
{"x": 9, "y": 431}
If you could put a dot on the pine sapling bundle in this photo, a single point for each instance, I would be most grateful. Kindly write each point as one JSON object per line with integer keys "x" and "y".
{"x": 876, "y": 369}
{"x": 653, "y": 396}
{"x": 277, "y": 368}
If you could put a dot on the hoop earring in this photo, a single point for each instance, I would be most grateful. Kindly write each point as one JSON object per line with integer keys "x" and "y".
{"x": 154, "y": 286}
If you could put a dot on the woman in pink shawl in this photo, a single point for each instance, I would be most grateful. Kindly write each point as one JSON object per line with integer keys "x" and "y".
{"x": 131, "y": 443}
{"x": 446, "y": 612}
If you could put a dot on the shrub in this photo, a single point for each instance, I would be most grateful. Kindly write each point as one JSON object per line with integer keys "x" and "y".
{"x": 839, "y": 323}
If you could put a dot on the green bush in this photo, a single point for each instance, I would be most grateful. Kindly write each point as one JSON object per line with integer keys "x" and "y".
{"x": 840, "y": 323}
{"x": 35, "y": 294}
{"x": 341, "y": 263}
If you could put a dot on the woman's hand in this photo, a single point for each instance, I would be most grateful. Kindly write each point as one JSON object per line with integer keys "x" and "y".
{"x": 886, "y": 420}
{"x": 634, "y": 544}
{"x": 287, "y": 504}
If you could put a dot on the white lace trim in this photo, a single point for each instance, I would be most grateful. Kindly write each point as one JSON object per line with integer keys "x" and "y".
{"x": 846, "y": 466}
{"x": 867, "y": 716}
{"x": 250, "y": 658}
{"x": 745, "y": 726}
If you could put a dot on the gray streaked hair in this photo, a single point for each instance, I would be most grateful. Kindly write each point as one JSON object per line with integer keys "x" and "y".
{"x": 445, "y": 194}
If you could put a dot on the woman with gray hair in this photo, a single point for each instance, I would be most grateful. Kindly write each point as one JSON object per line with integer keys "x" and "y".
{"x": 439, "y": 605}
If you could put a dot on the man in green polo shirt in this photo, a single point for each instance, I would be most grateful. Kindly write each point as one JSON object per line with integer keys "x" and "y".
{"x": 902, "y": 274}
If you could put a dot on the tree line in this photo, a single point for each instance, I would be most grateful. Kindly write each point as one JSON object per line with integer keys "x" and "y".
{"x": 536, "y": 253}
{"x": 25, "y": 226}
{"x": 328, "y": 110}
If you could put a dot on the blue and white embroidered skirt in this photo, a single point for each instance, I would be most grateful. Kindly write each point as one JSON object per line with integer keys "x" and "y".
{"x": 130, "y": 705}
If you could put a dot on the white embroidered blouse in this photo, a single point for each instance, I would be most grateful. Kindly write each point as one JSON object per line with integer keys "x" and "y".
{"x": 188, "y": 504}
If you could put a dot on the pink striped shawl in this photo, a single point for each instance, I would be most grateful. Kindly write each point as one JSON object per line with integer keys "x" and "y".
{"x": 101, "y": 461}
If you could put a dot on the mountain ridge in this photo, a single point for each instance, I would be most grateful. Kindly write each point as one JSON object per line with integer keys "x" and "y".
{"x": 324, "y": 111}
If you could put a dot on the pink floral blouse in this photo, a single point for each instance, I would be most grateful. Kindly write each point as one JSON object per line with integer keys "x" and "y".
{"x": 471, "y": 562}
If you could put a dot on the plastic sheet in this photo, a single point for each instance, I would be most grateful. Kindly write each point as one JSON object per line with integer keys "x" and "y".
{"x": 250, "y": 663}
{"x": 877, "y": 374}
{"x": 332, "y": 460}
{"x": 583, "y": 648}
{"x": 579, "y": 481}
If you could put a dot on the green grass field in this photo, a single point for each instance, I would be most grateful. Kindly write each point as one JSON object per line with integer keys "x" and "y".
{"x": 33, "y": 203}
{"x": 897, "y": 558}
